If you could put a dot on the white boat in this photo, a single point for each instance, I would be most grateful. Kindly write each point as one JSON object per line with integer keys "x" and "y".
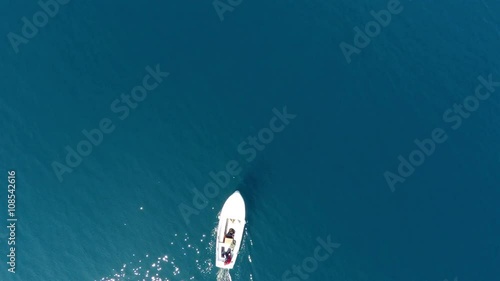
{"x": 230, "y": 231}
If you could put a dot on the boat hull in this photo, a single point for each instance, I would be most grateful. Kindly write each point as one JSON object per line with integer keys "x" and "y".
{"x": 232, "y": 216}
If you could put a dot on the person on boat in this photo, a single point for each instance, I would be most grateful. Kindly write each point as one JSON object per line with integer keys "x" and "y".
{"x": 224, "y": 253}
{"x": 230, "y": 233}
{"x": 229, "y": 256}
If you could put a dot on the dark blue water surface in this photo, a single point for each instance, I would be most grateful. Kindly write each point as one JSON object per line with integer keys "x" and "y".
{"x": 116, "y": 215}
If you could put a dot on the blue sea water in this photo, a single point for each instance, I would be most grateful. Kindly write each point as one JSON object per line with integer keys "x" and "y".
{"x": 116, "y": 215}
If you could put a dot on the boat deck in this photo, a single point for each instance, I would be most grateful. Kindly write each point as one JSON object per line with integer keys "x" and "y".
{"x": 232, "y": 243}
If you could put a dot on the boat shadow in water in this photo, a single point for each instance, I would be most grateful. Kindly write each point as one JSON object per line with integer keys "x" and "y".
{"x": 249, "y": 189}
{"x": 252, "y": 185}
